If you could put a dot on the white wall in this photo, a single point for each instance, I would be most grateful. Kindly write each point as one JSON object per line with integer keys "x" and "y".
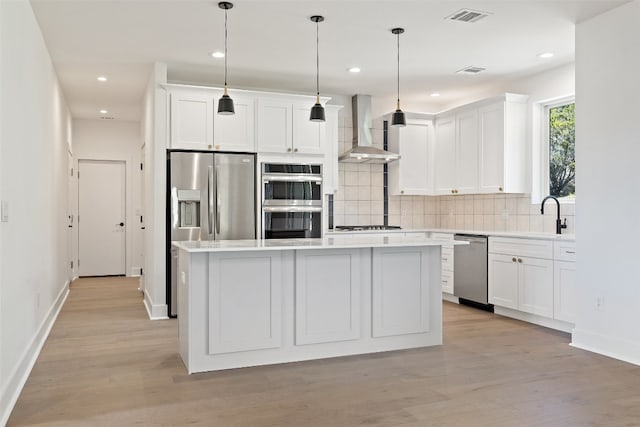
{"x": 34, "y": 141}
{"x": 607, "y": 113}
{"x": 154, "y": 133}
{"x": 116, "y": 140}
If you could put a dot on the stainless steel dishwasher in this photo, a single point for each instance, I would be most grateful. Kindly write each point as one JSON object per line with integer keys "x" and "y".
{"x": 470, "y": 271}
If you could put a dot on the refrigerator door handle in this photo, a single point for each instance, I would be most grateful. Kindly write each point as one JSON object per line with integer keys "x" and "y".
{"x": 217, "y": 202}
{"x": 210, "y": 199}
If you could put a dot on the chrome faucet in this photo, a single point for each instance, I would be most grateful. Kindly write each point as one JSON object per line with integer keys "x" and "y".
{"x": 559, "y": 224}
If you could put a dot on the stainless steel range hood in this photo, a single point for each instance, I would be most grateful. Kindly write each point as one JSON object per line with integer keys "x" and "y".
{"x": 363, "y": 150}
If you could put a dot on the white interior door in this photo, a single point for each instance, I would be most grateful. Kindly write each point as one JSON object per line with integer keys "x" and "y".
{"x": 70, "y": 216}
{"x": 101, "y": 218}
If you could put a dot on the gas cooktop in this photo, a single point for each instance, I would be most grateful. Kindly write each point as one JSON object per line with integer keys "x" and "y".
{"x": 365, "y": 227}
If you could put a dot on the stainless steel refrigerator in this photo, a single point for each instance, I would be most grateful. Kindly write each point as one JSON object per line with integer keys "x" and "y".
{"x": 210, "y": 196}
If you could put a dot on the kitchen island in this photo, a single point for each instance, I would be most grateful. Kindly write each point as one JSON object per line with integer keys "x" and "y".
{"x": 259, "y": 302}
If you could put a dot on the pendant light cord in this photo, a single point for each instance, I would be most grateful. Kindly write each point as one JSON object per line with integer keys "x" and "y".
{"x": 225, "y": 48}
{"x": 317, "y": 58}
{"x": 398, "y": 70}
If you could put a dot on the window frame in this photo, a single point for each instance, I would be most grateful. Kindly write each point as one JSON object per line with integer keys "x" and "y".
{"x": 543, "y": 149}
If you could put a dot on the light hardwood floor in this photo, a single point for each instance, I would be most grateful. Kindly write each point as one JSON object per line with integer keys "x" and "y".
{"x": 106, "y": 364}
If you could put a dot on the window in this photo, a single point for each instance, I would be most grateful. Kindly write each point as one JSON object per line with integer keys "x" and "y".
{"x": 561, "y": 138}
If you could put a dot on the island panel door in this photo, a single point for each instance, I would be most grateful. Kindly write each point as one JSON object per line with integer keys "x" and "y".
{"x": 245, "y": 301}
{"x": 400, "y": 291}
{"x": 327, "y": 295}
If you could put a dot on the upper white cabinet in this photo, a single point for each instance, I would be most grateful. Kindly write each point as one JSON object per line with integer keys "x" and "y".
{"x": 445, "y": 155}
{"x": 481, "y": 148}
{"x": 456, "y": 153}
{"x": 412, "y": 174}
{"x": 331, "y": 172}
{"x": 502, "y": 146}
{"x": 196, "y": 125}
{"x": 191, "y": 120}
{"x": 235, "y": 132}
{"x": 284, "y": 127}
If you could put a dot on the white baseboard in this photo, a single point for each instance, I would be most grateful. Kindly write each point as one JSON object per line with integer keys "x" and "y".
{"x": 155, "y": 311}
{"x": 535, "y": 319}
{"x": 606, "y": 345}
{"x": 451, "y": 298}
{"x": 18, "y": 378}
{"x": 135, "y": 271}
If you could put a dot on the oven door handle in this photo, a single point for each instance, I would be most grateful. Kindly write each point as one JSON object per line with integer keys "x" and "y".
{"x": 292, "y": 178}
{"x": 280, "y": 209}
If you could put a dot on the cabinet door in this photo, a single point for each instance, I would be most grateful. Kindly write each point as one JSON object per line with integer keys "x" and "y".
{"x": 331, "y": 180}
{"x": 491, "y": 174}
{"x": 307, "y": 135}
{"x": 245, "y": 301}
{"x": 503, "y": 281}
{"x": 445, "y": 156}
{"x": 413, "y": 171}
{"x": 192, "y": 120}
{"x": 274, "y": 126}
{"x": 466, "y": 170}
{"x": 236, "y": 132}
{"x": 400, "y": 291}
{"x": 327, "y": 293}
{"x": 565, "y": 291}
{"x": 535, "y": 286}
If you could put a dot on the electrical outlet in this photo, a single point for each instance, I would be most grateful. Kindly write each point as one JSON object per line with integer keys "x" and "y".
{"x": 600, "y": 303}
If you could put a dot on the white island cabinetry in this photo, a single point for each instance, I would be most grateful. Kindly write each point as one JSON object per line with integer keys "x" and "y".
{"x": 248, "y": 303}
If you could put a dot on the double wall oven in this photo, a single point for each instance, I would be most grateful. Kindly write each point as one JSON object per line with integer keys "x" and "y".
{"x": 291, "y": 200}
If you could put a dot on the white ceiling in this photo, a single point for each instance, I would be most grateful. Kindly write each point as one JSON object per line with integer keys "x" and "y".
{"x": 272, "y": 46}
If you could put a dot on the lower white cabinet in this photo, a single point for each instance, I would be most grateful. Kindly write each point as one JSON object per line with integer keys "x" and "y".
{"x": 400, "y": 291}
{"x": 519, "y": 282}
{"x": 565, "y": 291}
{"x": 245, "y": 297}
{"x": 447, "y": 261}
{"x": 327, "y": 292}
{"x": 535, "y": 286}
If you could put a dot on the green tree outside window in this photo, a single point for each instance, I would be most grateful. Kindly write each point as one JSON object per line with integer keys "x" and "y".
{"x": 562, "y": 159}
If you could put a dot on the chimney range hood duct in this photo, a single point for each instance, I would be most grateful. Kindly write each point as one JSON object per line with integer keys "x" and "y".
{"x": 363, "y": 150}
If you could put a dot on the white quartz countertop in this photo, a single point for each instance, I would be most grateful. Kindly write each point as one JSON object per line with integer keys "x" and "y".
{"x": 304, "y": 244}
{"x": 517, "y": 234}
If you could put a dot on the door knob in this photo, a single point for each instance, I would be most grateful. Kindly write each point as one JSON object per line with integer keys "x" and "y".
{"x": 121, "y": 224}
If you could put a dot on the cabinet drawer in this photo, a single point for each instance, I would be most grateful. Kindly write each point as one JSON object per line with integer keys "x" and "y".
{"x": 447, "y": 259}
{"x": 447, "y": 282}
{"x": 521, "y": 247}
{"x": 564, "y": 251}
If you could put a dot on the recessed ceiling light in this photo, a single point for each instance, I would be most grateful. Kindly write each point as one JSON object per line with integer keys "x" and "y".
{"x": 435, "y": 94}
{"x": 103, "y": 111}
{"x": 102, "y": 79}
{"x": 217, "y": 54}
{"x": 354, "y": 70}
{"x": 545, "y": 55}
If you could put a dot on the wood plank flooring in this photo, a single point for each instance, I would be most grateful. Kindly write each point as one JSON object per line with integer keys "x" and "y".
{"x": 106, "y": 364}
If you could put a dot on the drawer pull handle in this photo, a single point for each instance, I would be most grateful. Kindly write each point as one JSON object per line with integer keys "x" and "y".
{"x": 514, "y": 259}
{"x": 445, "y": 259}
{"x": 519, "y": 259}
{"x": 570, "y": 252}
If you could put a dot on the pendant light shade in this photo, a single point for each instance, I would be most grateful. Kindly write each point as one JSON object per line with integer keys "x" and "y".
{"x": 398, "y": 118}
{"x": 225, "y": 104}
{"x": 317, "y": 111}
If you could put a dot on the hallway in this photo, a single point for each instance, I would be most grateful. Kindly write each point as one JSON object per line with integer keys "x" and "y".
{"x": 106, "y": 364}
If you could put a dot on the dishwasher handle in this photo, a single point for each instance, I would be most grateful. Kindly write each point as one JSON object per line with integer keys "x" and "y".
{"x": 471, "y": 239}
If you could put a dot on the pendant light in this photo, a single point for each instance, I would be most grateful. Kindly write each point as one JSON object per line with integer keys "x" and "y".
{"x": 317, "y": 111}
{"x": 225, "y": 104}
{"x": 398, "y": 118}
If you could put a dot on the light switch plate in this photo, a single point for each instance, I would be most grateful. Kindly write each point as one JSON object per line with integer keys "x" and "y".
{"x": 5, "y": 211}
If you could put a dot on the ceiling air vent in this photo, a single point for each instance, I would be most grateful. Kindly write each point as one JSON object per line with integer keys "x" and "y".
{"x": 471, "y": 70}
{"x": 467, "y": 15}
{"x": 107, "y": 118}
